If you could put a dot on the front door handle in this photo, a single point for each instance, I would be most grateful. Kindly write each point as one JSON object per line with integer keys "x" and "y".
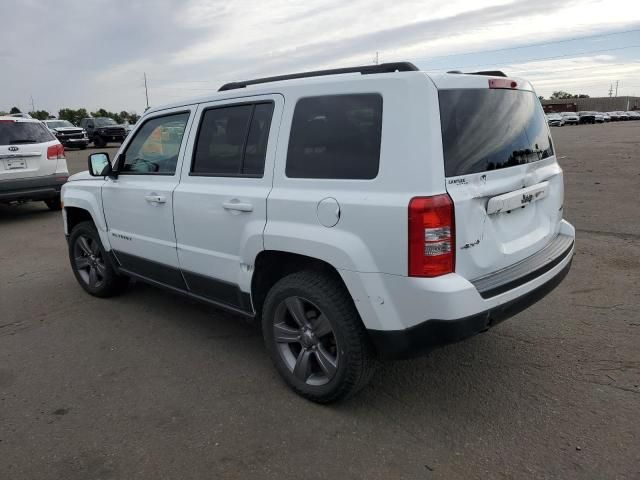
{"x": 153, "y": 198}
{"x": 237, "y": 205}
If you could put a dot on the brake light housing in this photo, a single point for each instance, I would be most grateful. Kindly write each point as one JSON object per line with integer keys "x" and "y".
{"x": 431, "y": 236}
{"x": 55, "y": 152}
{"x": 502, "y": 83}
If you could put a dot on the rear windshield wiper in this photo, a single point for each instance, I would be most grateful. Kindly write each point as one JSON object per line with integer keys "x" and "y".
{"x": 23, "y": 140}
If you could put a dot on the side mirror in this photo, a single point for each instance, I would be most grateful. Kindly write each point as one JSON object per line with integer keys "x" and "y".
{"x": 99, "y": 165}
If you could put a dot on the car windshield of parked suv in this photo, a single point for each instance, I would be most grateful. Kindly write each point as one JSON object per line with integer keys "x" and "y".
{"x": 59, "y": 124}
{"x": 15, "y": 133}
{"x": 489, "y": 129}
{"x": 104, "y": 121}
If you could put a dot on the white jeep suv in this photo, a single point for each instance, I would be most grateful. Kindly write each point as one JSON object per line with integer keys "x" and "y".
{"x": 32, "y": 162}
{"x": 360, "y": 213}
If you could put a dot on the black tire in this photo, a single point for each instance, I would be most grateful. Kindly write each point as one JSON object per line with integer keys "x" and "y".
{"x": 99, "y": 142}
{"x": 54, "y": 204}
{"x": 83, "y": 147}
{"x": 354, "y": 357}
{"x": 85, "y": 248}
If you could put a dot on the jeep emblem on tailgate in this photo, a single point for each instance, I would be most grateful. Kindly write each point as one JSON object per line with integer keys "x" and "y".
{"x": 13, "y": 149}
{"x": 526, "y": 198}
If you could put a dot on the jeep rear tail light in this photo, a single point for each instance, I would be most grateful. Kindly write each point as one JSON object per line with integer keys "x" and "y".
{"x": 431, "y": 236}
{"x": 55, "y": 152}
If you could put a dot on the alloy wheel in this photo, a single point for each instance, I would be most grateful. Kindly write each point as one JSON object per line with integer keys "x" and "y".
{"x": 89, "y": 262}
{"x": 305, "y": 341}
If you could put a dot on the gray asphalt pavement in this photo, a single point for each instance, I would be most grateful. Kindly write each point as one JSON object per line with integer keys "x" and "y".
{"x": 151, "y": 385}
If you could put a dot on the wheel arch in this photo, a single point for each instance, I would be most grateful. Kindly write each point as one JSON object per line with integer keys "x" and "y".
{"x": 82, "y": 205}
{"x": 270, "y": 266}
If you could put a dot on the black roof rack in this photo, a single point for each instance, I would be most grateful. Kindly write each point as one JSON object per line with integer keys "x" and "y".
{"x": 364, "y": 70}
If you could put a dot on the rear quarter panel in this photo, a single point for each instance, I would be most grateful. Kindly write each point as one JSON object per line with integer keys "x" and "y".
{"x": 371, "y": 235}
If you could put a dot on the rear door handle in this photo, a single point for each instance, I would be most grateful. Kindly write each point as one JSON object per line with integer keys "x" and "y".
{"x": 237, "y": 205}
{"x": 155, "y": 198}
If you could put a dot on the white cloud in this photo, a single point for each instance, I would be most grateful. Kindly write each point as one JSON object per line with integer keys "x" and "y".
{"x": 188, "y": 48}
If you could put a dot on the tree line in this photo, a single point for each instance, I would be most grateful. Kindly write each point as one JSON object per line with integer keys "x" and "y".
{"x": 562, "y": 94}
{"x": 75, "y": 115}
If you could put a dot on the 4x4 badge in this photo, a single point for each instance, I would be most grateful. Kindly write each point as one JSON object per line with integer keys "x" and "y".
{"x": 13, "y": 149}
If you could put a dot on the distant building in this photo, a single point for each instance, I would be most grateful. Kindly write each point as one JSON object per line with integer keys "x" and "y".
{"x": 597, "y": 104}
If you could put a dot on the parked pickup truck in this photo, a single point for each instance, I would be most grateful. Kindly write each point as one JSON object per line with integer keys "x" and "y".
{"x": 102, "y": 130}
{"x": 68, "y": 134}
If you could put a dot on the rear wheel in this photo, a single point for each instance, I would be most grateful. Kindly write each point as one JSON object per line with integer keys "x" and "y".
{"x": 91, "y": 265}
{"x": 315, "y": 337}
{"x": 54, "y": 203}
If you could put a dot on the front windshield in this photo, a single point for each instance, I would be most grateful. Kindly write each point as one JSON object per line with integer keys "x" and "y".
{"x": 59, "y": 124}
{"x": 104, "y": 121}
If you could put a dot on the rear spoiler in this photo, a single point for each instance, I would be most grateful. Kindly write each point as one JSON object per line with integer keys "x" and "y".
{"x": 488, "y": 73}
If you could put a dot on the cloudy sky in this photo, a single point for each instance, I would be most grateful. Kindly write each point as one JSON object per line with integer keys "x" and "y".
{"x": 93, "y": 53}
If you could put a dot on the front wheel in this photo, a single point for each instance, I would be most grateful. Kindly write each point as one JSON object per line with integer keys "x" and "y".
{"x": 315, "y": 337}
{"x": 90, "y": 263}
{"x": 99, "y": 142}
{"x": 54, "y": 204}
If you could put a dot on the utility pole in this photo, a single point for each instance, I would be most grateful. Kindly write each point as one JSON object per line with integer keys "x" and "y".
{"x": 610, "y": 90}
{"x": 146, "y": 90}
{"x": 33, "y": 107}
{"x": 617, "y": 81}
{"x": 377, "y": 60}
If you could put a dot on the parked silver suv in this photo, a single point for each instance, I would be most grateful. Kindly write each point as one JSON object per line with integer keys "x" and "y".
{"x": 32, "y": 162}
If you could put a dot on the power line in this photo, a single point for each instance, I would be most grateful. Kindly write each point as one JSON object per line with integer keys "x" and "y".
{"x": 602, "y": 66}
{"x": 552, "y": 42}
{"x": 534, "y": 59}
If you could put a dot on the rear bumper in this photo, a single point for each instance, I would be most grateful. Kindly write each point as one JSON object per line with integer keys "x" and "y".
{"x": 74, "y": 142}
{"x": 408, "y": 316}
{"x": 36, "y": 188}
{"x": 424, "y": 337}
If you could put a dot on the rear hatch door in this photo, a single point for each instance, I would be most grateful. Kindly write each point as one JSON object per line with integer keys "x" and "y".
{"x": 501, "y": 174}
{"x": 23, "y": 149}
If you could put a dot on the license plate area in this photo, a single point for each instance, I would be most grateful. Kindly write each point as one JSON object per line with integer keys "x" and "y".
{"x": 16, "y": 164}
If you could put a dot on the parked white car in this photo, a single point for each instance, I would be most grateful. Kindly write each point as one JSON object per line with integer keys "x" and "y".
{"x": 32, "y": 162}
{"x": 570, "y": 118}
{"x": 555, "y": 120}
{"x": 360, "y": 213}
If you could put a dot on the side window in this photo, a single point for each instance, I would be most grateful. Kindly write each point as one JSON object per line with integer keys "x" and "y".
{"x": 155, "y": 146}
{"x": 336, "y": 136}
{"x": 233, "y": 140}
{"x": 257, "y": 140}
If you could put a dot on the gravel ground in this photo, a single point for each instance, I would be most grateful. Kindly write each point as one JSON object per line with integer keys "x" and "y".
{"x": 151, "y": 385}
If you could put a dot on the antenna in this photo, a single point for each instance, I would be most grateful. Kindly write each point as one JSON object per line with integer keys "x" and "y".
{"x": 146, "y": 90}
